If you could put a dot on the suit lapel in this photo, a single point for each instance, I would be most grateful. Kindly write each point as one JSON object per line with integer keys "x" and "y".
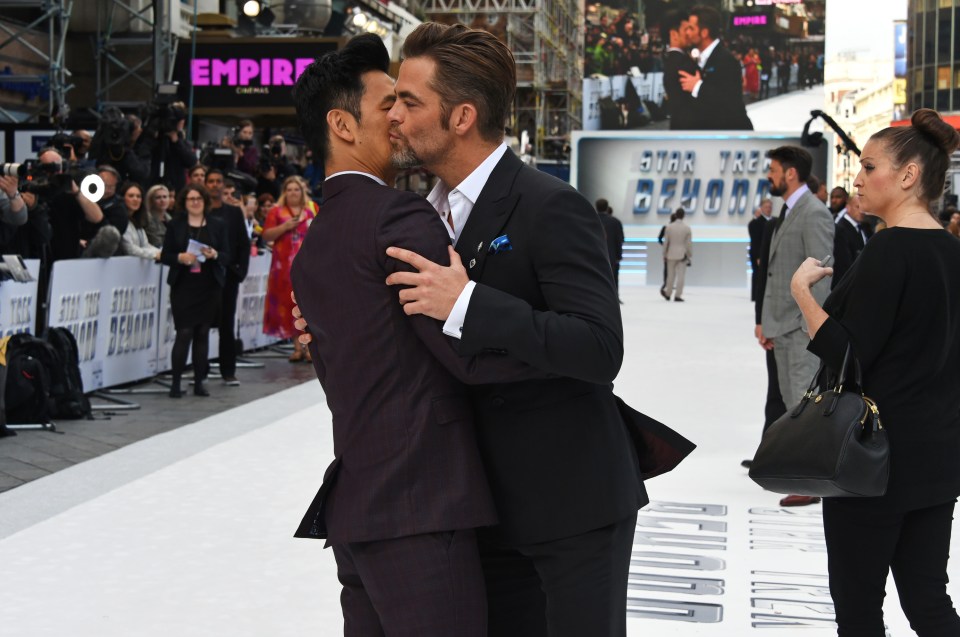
{"x": 489, "y": 215}
{"x": 785, "y": 226}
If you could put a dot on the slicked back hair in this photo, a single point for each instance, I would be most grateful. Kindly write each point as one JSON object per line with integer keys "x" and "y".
{"x": 334, "y": 81}
{"x": 472, "y": 66}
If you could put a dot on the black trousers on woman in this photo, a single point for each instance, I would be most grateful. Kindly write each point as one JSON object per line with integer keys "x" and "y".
{"x": 199, "y": 337}
{"x": 866, "y": 539}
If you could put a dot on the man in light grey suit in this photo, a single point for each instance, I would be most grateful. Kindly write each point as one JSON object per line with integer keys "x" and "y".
{"x": 677, "y": 251}
{"x": 804, "y": 229}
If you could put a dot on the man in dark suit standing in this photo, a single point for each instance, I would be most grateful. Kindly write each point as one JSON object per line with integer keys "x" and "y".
{"x": 852, "y": 234}
{"x": 717, "y": 86}
{"x": 233, "y": 219}
{"x": 680, "y": 104}
{"x": 755, "y": 228}
{"x": 563, "y": 472}
{"x": 400, "y": 502}
{"x": 613, "y": 233}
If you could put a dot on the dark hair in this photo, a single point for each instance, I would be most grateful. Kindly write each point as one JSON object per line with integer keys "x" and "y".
{"x": 471, "y": 66}
{"x": 139, "y": 218}
{"x": 110, "y": 170}
{"x": 602, "y": 205}
{"x": 840, "y": 189}
{"x": 214, "y": 171}
{"x": 243, "y": 123}
{"x": 181, "y": 206}
{"x": 679, "y": 214}
{"x": 197, "y": 167}
{"x": 334, "y": 81}
{"x": 671, "y": 22}
{"x": 929, "y": 141}
{"x": 813, "y": 183}
{"x": 793, "y": 157}
{"x": 708, "y": 18}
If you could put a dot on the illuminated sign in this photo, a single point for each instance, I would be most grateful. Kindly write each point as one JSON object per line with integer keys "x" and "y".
{"x": 749, "y": 20}
{"x": 246, "y": 73}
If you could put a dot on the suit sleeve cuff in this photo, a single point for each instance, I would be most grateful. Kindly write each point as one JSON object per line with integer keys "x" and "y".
{"x": 454, "y": 325}
{"x": 696, "y": 89}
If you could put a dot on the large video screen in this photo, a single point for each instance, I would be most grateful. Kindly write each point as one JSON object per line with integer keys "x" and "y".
{"x": 684, "y": 67}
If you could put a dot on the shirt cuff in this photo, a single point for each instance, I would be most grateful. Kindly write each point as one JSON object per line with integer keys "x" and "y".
{"x": 696, "y": 89}
{"x": 454, "y": 325}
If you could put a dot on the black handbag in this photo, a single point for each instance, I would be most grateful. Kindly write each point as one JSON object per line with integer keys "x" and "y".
{"x": 831, "y": 444}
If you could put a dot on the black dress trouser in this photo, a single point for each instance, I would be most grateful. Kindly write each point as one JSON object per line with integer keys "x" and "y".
{"x": 866, "y": 539}
{"x": 569, "y": 587}
{"x": 227, "y": 357}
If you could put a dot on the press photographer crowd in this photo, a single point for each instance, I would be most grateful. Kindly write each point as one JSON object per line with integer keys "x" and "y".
{"x": 137, "y": 187}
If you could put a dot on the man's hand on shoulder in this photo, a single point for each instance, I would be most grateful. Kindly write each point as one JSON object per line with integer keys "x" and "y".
{"x": 434, "y": 289}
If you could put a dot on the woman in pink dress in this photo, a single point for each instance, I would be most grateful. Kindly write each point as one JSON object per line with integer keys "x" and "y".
{"x": 286, "y": 227}
{"x": 751, "y": 65}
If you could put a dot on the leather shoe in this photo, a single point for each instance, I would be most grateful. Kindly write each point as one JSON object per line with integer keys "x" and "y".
{"x": 175, "y": 392}
{"x": 746, "y": 464}
{"x": 678, "y": 300}
{"x": 199, "y": 389}
{"x": 799, "y": 500}
{"x": 663, "y": 293}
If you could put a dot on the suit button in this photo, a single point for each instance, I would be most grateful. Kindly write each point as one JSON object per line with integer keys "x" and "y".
{"x": 498, "y": 401}
{"x": 769, "y": 275}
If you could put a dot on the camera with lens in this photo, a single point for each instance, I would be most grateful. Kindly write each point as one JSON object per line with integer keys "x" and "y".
{"x": 65, "y": 143}
{"x": 113, "y": 136}
{"x": 212, "y": 155}
{"x": 162, "y": 115}
{"x": 43, "y": 180}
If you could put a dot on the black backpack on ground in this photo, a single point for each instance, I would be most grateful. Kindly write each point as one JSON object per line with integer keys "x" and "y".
{"x": 29, "y": 364}
{"x": 67, "y": 398}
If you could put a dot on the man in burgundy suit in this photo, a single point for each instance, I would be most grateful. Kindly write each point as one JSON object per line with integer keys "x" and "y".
{"x": 400, "y": 502}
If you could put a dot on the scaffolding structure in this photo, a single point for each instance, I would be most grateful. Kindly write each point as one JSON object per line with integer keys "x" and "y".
{"x": 135, "y": 48}
{"x": 546, "y": 37}
{"x": 53, "y": 16}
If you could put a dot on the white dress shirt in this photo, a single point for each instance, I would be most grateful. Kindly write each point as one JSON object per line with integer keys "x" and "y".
{"x": 704, "y": 56}
{"x": 458, "y": 203}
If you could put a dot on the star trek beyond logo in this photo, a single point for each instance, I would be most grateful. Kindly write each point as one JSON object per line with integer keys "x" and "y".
{"x": 687, "y": 567}
{"x": 734, "y": 182}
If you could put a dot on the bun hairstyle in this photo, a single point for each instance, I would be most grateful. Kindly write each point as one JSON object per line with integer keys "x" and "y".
{"x": 929, "y": 141}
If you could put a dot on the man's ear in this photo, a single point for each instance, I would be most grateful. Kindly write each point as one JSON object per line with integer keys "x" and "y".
{"x": 341, "y": 124}
{"x": 463, "y": 118}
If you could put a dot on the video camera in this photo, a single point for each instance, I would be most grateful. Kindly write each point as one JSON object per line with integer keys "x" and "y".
{"x": 41, "y": 179}
{"x": 66, "y": 142}
{"x": 162, "y": 116}
{"x": 212, "y": 155}
{"x": 113, "y": 136}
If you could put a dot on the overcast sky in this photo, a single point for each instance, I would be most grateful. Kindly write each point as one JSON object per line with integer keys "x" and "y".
{"x": 863, "y": 28}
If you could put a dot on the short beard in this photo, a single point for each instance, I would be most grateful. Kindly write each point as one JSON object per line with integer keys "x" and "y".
{"x": 778, "y": 190}
{"x": 405, "y": 158}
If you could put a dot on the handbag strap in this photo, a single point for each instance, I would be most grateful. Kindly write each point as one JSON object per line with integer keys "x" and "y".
{"x": 848, "y": 357}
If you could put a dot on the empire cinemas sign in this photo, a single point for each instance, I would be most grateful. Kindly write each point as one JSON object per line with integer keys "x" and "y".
{"x": 250, "y": 73}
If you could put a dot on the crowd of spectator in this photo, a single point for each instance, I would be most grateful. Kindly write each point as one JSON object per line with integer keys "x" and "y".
{"x": 615, "y": 44}
{"x": 147, "y": 170}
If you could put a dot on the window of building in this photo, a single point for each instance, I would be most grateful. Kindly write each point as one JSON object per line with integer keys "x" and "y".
{"x": 943, "y": 78}
{"x": 943, "y": 101}
{"x": 946, "y": 4}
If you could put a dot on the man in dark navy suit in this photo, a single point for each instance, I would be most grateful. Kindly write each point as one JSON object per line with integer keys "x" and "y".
{"x": 717, "y": 86}
{"x": 532, "y": 280}
{"x": 400, "y": 502}
{"x": 681, "y": 106}
{"x": 851, "y": 235}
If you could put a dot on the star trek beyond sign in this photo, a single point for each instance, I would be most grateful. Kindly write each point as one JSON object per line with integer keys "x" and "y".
{"x": 717, "y": 179}
{"x": 246, "y": 73}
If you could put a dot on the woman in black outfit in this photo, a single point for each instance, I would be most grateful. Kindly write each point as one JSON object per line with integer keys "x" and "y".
{"x": 899, "y": 307}
{"x": 194, "y": 286}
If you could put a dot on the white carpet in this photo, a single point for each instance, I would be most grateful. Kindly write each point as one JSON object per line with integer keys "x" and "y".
{"x": 190, "y": 533}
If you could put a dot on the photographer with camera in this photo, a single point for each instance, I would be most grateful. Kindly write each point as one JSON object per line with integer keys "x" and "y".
{"x": 114, "y": 145}
{"x": 13, "y": 213}
{"x": 57, "y": 207}
{"x": 164, "y": 141}
{"x": 246, "y": 155}
{"x": 274, "y": 167}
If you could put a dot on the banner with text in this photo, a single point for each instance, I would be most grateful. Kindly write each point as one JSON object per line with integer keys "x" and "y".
{"x": 718, "y": 179}
{"x": 110, "y": 306}
{"x": 18, "y": 302}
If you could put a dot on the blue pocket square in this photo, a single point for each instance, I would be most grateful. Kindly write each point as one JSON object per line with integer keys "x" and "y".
{"x": 500, "y": 244}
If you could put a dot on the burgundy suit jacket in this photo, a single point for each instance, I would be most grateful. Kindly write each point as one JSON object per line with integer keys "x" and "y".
{"x": 406, "y": 454}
